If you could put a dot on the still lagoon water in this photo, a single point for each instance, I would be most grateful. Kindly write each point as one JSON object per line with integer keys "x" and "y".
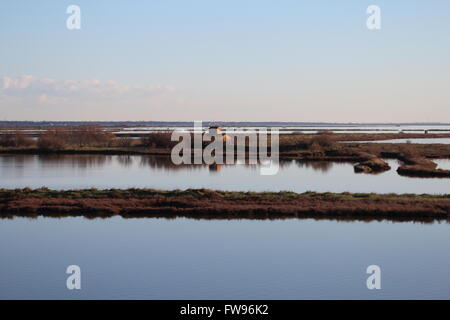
{"x": 105, "y": 172}
{"x": 413, "y": 140}
{"x": 182, "y": 258}
{"x": 222, "y": 259}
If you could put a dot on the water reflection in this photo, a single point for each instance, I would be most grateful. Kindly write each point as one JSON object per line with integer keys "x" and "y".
{"x": 147, "y": 171}
{"x": 164, "y": 162}
{"x": 215, "y": 167}
{"x": 125, "y": 160}
{"x": 222, "y": 259}
{"x": 78, "y": 161}
{"x": 234, "y": 216}
{"x": 74, "y": 161}
{"x": 322, "y": 166}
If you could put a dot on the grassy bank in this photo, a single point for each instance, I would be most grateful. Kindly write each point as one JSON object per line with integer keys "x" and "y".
{"x": 205, "y": 203}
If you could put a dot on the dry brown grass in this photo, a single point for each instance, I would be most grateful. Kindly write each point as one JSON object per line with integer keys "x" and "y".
{"x": 141, "y": 202}
{"x": 125, "y": 142}
{"x": 74, "y": 137}
{"x": 373, "y": 165}
{"x": 54, "y": 139}
{"x": 89, "y": 136}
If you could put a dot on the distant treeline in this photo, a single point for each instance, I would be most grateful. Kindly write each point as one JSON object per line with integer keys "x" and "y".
{"x": 60, "y": 138}
{"x": 17, "y": 124}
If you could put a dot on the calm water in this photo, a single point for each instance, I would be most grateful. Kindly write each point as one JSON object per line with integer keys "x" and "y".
{"x": 416, "y": 140}
{"x": 104, "y": 172}
{"x": 311, "y": 128}
{"x": 216, "y": 259}
{"x": 443, "y": 164}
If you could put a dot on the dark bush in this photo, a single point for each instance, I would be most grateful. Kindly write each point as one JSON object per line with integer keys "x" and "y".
{"x": 158, "y": 140}
{"x": 7, "y": 140}
{"x": 15, "y": 139}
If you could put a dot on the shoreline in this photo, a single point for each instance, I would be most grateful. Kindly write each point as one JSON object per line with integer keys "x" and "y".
{"x": 210, "y": 204}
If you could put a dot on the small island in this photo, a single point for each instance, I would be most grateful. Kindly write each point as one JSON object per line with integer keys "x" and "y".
{"x": 210, "y": 204}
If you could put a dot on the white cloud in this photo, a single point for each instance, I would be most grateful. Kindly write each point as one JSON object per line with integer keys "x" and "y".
{"x": 46, "y": 90}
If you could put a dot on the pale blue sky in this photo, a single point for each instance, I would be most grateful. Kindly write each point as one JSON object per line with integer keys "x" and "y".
{"x": 225, "y": 60}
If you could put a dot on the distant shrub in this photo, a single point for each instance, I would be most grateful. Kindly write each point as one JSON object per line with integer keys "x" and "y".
{"x": 316, "y": 149}
{"x": 53, "y": 139}
{"x": 124, "y": 142}
{"x": 22, "y": 140}
{"x": 158, "y": 140}
{"x": 15, "y": 139}
{"x": 322, "y": 139}
{"x": 325, "y": 132}
{"x": 7, "y": 140}
{"x": 89, "y": 136}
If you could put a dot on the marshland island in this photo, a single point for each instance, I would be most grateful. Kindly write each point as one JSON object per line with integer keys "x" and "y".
{"x": 386, "y": 156}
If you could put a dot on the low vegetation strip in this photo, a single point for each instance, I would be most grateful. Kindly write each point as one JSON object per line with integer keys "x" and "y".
{"x": 218, "y": 204}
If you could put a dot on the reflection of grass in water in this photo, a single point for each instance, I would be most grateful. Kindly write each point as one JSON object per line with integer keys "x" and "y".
{"x": 81, "y": 161}
{"x": 322, "y": 166}
{"x": 84, "y": 161}
{"x": 125, "y": 160}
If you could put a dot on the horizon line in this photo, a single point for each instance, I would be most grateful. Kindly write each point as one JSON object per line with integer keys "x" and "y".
{"x": 224, "y": 122}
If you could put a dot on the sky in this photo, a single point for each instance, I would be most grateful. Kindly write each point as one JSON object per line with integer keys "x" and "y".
{"x": 233, "y": 60}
